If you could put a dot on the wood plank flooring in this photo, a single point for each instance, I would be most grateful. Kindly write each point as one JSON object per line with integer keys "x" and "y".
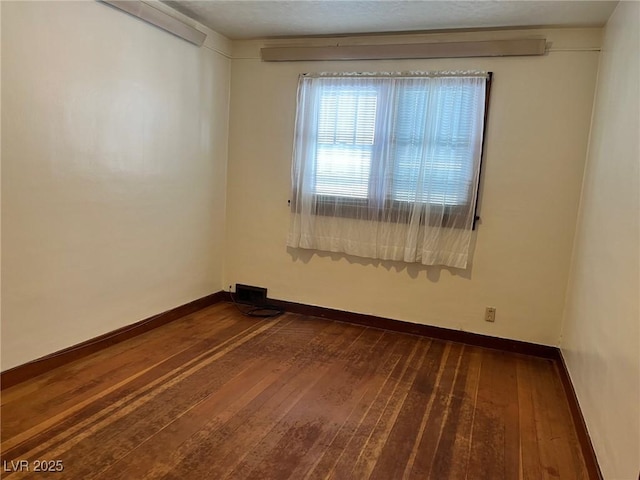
{"x": 218, "y": 395}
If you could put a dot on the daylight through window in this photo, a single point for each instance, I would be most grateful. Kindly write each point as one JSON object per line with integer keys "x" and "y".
{"x": 400, "y": 151}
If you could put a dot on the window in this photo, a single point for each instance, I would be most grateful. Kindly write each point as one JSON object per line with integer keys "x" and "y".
{"x": 345, "y": 141}
{"x": 390, "y": 148}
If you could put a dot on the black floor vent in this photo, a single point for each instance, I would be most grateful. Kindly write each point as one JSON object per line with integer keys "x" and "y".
{"x": 250, "y": 295}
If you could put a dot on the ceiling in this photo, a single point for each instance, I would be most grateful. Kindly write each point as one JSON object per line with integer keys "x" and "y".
{"x": 242, "y": 19}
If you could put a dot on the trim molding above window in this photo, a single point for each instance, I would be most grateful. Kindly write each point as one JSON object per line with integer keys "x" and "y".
{"x": 486, "y": 48}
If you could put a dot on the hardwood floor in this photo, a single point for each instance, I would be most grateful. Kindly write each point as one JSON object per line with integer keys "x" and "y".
{"x": 219, "y": 395}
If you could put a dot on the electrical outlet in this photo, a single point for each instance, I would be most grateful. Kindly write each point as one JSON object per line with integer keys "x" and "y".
{"x": 490, "y": 314}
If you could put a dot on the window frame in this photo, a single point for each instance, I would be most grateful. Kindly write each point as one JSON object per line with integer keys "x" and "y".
{"x": 351, "y": 207}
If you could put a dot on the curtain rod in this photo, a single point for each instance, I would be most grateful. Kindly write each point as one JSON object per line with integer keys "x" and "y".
{"x": 490, "y": 48}
{"x": 408, "y": 74}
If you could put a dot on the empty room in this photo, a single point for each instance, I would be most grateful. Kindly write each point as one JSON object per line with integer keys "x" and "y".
{"x": 305, "y": 239}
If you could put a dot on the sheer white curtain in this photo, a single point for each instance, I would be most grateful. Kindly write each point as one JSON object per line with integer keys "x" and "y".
{"x": 386, "y": 166}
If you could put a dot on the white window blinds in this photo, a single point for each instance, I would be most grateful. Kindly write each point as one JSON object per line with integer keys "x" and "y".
{"x": 433, "y": 139}
{"x": 345, "y": 139}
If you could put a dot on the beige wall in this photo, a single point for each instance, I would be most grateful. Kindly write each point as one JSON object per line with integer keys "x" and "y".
{"x": 536, "y": 147}
{"x": 114, "y": 147}
{"x": 601, "y": 335}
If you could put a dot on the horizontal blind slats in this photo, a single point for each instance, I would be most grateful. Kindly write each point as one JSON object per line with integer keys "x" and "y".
{"x": 428, "y": 147}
